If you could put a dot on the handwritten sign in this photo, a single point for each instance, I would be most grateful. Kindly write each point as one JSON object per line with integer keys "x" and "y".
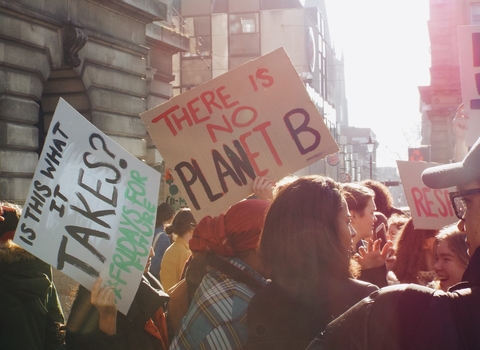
{"x": 90, "y": 211}
{"x": 469, "y": 56}
{"x": 174, "y": 196}
{"x": 430, "y": 208}
{"x": 254, "y": 120}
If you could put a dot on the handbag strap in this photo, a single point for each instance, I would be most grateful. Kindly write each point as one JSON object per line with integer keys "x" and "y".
{"x": 234, "y": 272}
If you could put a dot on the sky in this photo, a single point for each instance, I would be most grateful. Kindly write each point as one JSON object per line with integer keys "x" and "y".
{"x": 386, "y": 50}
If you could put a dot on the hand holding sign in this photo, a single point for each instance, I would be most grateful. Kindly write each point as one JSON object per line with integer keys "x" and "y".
{"x": 459, "y": 123}
{"x": 88, "y": 212}
{"x": 263, "y": 187}
{"x": 460, "y": 126}
{"x": 104, "y": 300}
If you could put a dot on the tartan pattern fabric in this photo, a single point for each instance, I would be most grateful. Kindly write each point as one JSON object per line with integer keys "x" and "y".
{"x": 217, "y": 316}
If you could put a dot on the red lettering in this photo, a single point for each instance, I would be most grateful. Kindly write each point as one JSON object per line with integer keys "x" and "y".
{"x": 243, "y": 120}
{"x": 251, "y": 155}
{"x": 429, "y": 203}
{"x": 261, "y": 74}
{"x": 254, "y": 84}
{"x": 208, "y": 99}
{"x": 184, "y": 117}
{"x": 262, "y": 128}
{"x": 193, "y": 111}
{"x": 224, "y": 98}
{"x": 212, "y": 127}
{"x": 418, "y": 200}
{"x": 164, "y": 115}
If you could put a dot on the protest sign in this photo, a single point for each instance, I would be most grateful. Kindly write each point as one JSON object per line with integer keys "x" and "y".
{"x": 174, "y": 196}
{"x": 469, "y": 57}
{"x": 254, "y": 120}
{"x": 90, "y": 211}
{"x": 430, "y": 208}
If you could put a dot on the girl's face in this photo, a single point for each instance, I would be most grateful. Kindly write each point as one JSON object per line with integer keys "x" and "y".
{"x": 363, "y": 224}
{"x": 447, "y": 266}
{"x": 344, "y": 226}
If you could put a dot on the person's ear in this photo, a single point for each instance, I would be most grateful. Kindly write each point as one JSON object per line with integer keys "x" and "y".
{"x": 354, "y": 215}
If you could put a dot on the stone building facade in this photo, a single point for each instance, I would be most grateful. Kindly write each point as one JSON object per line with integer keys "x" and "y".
{"x": 109, "y": 59}
{"x": 440, "y": 99}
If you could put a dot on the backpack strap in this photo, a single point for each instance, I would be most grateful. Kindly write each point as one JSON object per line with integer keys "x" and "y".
{"x": 234, "y": 272}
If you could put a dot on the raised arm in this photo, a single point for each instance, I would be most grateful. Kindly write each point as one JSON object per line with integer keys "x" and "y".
{"x": 459, "y": 125}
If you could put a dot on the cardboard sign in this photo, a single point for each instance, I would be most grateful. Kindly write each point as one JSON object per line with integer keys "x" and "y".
{"x": 254, "y": 120}
{"x": 90, "y": 211}
{"x": 174, "y": 196}
{"x": 469, "y": 56}
{"x": 430, "y": 208}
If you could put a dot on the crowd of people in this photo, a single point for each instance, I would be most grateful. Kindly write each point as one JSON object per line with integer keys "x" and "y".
{"x": 304, "y": 263}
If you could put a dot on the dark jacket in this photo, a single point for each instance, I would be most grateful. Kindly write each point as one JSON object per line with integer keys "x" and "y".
{"x": 409, "y": 316}
{"x": 82, "y": 326}
{"x": 30, "y": 313}
{"x": 278, "y": 321}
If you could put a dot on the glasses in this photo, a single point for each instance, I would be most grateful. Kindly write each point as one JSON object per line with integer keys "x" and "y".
{"x": 458, "y": 202}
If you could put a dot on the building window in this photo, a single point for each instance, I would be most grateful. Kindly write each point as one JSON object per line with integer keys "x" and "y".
{"x": 200, "y": 33}
{"x": 194, "y": 7}
{"x": 243, "y": 5}
{"x": 219, "y": 6}
{"x": 244, "y": 34}
{"x": 234, "y": 62}
{"x": 195, "y": 71}
{"x": 475, "y": 12}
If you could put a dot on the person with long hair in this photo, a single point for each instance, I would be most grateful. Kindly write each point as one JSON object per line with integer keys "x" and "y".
{"x": 371, "y": 253}
{"x": 305, "y": 249}
{"x": 383, "y": 198}
{"x": 414, "y": 255}
{"x": 361, "y": 203}
{"x": 178, "y": 253}
{"x": 451, "y": 256}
